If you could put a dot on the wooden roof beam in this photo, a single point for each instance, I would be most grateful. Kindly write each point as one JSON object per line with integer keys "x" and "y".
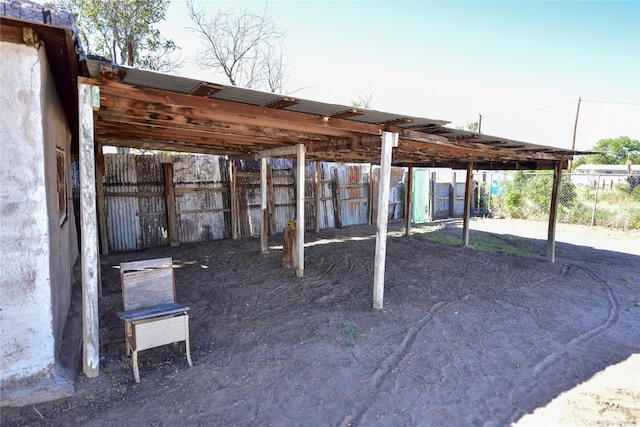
{"x": 205, "y": 89}
{"x": 312, "y": 123}
{"x": 281, "y": 103}
{"x": 347, "y": 113}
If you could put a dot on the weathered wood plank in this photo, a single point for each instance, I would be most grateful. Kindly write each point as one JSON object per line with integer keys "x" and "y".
{"x": 553, "y": 213}
{"x": 318, "y": 183}
{"x": 89, "y": 240}
{"x": 170, "y": 199}
{"x": 300, "y": 211}
{"x": 468, "y": 189}
{"x": 389, "y": 140}
{"x": 264, "y": 226}
{"x": 408, "y": 202}
{"x": 337, "y": 208}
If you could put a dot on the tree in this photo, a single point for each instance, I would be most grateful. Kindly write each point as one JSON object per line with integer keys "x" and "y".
{"x": 123, "y": 30}
{"x": 613, "y": 151}
{"x": 245, "y": 46}
{"x": 470, "y": 126}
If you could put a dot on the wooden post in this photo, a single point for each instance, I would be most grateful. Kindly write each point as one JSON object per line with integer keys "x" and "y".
{"x": 234, "y": 199}
{"x": 170, "y": 200}
{"x": 409, "y": 202}
{"x": 300, "y": 211}
{"x": 102, "y": 219}
{"x": 288, "y": 247}
{"x": 370, "y": 195}
{"x": 389, "y": 140}
{"x": 89, "y": 241}
{"x": 468, "y": 189}
{"x": 318, "y": 178}
{"x": 553, "y": 213}
{"x": 337, "y": 209}
{"x": 271, "y": 203}
{"x": 264, "y": 245}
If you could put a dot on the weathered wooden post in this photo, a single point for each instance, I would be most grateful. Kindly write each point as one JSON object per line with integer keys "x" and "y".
{"x": 89, "y": 228}
{"x": 389, "y": 140}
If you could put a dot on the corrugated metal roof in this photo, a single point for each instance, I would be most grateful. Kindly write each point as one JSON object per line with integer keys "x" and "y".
{"x": 183, "y": 85}
{"x": 263, "y": 120}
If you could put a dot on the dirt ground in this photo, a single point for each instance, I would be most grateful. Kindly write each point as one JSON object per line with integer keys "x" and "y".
{"x": 466, "y": 337}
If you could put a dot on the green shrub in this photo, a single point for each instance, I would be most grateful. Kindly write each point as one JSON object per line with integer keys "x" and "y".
{"x": 528, "y": 196}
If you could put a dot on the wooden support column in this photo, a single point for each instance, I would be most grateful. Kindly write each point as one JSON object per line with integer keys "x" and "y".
{"x": 89, "y": 241}
{"x": 468, "y": 190}
{"x": 553, "y": 213}
{"x": 300, "y": 211}
{"x": 337, "y": 208}
{"x": 234, "y": 199}
{"x": 271, "y": 200}
{"x": 389, "y": 140}
{"x": 264, "y": 245}
{"x": 409, "y": 202}
{"x": 370, "y": 195}
{"x": 318, "y": 178}
{"x": 170, "y": 201}
{"x": 102, "y": 218}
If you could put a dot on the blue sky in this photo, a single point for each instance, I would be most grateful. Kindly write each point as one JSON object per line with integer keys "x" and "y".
{"x": 522, "y": 65}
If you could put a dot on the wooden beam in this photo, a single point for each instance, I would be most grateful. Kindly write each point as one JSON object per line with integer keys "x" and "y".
{"x": 278, "y": 152}
{"x": 143, "y": 97}
{"x": 409, "y": 202}
{"x": 102, "y": 216}
{"x": 337, "y": 208}
{"x": 318, "y": 182}
{"x": 553, "y": 213}
{"x": 300, "y": 211}
{"x": 388, "y": 141}
{"x": 170, "y": 201}
{"x": 89, "y": 241}
{"x": 283, "y": 102}
{"x": 234, "y": 199}
{"x": 468, "y": 189}
{"x": 205, "y": 89}
{"x": 264, "y": 245}
{"x": 347, "y": 113}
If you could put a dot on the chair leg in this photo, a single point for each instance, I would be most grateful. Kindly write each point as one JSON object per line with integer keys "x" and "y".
{"x": 186, "y": 341}
{"x": 136, "y": 372}
{"x": 127, "y": 338}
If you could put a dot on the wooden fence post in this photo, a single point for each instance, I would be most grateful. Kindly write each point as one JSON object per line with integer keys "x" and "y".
{"x": 170, "y": 199}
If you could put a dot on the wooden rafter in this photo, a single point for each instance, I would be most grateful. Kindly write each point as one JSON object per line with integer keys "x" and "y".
{"x": 283, "y": 102}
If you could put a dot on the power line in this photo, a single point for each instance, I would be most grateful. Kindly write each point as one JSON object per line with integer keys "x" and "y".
{"x": 611, "y": 102}
{"x": 547, "y": 107}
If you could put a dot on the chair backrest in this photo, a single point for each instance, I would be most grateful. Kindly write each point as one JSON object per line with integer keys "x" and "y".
{"x": 147, "y": 283}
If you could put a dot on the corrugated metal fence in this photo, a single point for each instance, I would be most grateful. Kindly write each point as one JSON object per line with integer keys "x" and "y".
{"x": 135, "y": 197}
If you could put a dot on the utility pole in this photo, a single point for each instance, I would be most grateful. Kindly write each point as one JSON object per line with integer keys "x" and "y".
{"x": 575, "y": 128}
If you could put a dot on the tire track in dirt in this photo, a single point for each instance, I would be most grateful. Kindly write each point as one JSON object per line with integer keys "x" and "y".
{"x": 392, "y": 361}
{"x": 553, "y": 358}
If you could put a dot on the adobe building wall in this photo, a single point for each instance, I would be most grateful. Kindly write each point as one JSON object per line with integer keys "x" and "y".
{"x": 39, "y": 242}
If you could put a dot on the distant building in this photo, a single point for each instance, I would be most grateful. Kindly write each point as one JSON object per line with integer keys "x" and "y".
{"x": 604, "y": 175}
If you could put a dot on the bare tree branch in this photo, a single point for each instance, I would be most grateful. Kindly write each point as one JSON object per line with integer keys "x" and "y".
{"x": 242, "y": 46}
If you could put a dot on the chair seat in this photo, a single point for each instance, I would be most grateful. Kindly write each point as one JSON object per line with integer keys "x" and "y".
{"x": 153, "y": 311}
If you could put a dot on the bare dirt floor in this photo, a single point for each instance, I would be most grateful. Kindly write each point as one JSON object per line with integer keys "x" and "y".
{"x": 466, "y": 337}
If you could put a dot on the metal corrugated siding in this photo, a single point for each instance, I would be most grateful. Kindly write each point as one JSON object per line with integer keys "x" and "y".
{"x": 153, "y": 80}
{"x": 140, "y": 222}
{"x": 245, "y": 96}
{"x": 172, "y": 83}
{"x": 123, "y": 228}
{"x": 201, "y": 171}
{"x": 353, "y": 212}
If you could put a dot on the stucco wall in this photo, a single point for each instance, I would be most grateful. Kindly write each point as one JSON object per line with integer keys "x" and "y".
{"x": 37, "y": 253}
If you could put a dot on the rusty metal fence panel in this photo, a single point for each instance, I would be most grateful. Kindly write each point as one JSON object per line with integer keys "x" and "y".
{"x": 135, "y": 207}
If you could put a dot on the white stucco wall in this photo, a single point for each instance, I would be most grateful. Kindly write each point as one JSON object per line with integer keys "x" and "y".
{"x": 36, "y": 254}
